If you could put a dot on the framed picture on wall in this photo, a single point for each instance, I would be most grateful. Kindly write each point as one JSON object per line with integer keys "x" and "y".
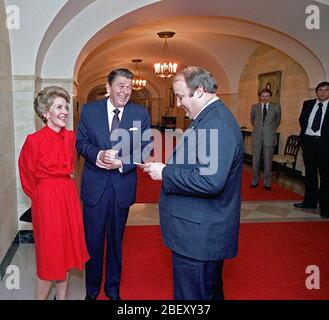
{"x": 272, "y": 81}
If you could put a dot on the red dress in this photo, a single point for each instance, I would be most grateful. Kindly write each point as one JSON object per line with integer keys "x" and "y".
{"x": 45, "y": 164}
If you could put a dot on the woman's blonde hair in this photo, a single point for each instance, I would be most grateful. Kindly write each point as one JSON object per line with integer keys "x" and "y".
{"x": 45, "y": 99}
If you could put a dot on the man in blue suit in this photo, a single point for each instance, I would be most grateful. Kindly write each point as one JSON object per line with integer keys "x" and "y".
{"x": 108, "y": 186}
{"x": 201, "y": 184}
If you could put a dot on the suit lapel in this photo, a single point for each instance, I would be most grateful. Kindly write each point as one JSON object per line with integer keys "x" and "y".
{"x": 192, "y": 127}
{"x": 126, "y": 117}
{"x": 104, "y": 124}
{"x": 325, "y": 122}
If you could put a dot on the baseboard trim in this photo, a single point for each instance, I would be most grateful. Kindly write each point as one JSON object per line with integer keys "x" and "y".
{"x": 22, "y": 237}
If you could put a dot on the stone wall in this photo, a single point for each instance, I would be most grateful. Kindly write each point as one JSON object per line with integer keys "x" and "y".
{"x": 8, "y": 208}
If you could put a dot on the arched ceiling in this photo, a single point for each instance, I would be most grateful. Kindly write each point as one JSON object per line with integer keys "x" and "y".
{"x": 95, "y": 35}
{"x": 220, "y": 44}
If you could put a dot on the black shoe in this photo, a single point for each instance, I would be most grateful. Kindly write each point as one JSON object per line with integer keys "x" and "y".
{"x": 253, "y": 185}
{"x": 324, "y": 215}
{"x": 90, "y": 297}
{"x": 303, "y": 205}
{"x": 267, "y": 188}
{"x": 113, "y": 297}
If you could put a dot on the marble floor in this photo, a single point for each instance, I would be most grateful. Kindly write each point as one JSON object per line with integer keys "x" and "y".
{"x": 147, "y": 214}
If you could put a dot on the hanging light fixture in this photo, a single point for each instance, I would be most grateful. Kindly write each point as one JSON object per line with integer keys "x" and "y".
{"x": 138, "y": 82}
{"x": 167, "y": 67}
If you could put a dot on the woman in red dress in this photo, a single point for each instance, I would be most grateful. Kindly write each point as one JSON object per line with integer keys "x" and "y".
{"x": 46, "y": 163}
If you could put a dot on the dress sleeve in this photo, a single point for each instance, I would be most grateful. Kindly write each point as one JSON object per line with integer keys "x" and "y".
{"x": 27, "y": 167}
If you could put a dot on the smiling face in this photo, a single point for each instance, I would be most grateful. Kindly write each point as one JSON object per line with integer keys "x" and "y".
{"x": 58, "y": 114}
{"x": 265, "y": 98}
{"x": 119, "y": 91}
{"x": 189, "y": 104}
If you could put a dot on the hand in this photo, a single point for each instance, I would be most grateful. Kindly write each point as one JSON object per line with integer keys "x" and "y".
{"x": 115, "y": 164}
{"x": 154, "y": 169}
{"x": 108, "y": 156}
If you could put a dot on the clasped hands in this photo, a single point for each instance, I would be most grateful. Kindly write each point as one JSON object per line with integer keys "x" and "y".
{"x": 108, "y": 160}
{"x": 154, "y": 169}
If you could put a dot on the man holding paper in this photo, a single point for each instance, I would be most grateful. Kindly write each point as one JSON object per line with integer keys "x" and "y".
{"x": 200, "y": 196}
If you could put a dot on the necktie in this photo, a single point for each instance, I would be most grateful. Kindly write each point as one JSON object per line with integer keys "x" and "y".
{"x": 264, "y": 112}
{"x": 115, "y": 120}
{"x": 317, "y": 118}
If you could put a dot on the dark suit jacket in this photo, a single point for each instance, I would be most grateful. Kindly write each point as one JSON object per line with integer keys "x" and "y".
{"x": 200, "y": 214}
{"x": 303, "y": 121}
{"x": 93, "y": 135}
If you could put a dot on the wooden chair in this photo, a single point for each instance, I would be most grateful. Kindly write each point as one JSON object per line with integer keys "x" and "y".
{"x": 290, "y": 154}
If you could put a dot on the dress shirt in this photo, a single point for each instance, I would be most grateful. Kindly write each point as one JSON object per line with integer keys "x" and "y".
{"x": 309, "y": 130}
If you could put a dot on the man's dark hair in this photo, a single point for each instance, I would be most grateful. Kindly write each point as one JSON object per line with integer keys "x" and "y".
{"x": 321, "y": 84}
{"x": 122, "y": 72}
{"x": 265, "y": 90}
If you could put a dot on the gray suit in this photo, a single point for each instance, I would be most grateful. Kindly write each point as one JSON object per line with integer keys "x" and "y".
{"x": 264, "y": 138}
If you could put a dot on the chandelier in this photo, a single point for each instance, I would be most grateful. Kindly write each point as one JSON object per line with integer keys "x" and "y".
{"x": 138, "y": 82}
{"x": 167, "y": 67}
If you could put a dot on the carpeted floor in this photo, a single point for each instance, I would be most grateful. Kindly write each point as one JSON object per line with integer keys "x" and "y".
{"x": 271, "y": 263}
{"x": 148, "y": 190}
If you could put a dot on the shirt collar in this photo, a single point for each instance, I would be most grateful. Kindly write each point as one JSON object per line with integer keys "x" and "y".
{"x": 111, "y": 108}
{"x": 324, "y": 103}
{"x": 206, "y": 105}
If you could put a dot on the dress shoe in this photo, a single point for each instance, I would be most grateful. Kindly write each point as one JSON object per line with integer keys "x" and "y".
{"x": 303, "y": 205}
{"x": 90, "y": 297}
{"x": 114, "y": 298}
{"x": 324, "y": 215}
{"x": 253, "y": 185}
{"x": 267, "y": 188}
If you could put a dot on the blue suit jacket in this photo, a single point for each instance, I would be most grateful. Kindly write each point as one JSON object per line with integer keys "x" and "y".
{"x": 93, "y": 135}
{"x": 200, "y": 214}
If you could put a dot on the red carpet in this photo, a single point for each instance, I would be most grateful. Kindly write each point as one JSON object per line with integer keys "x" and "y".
{"x": 148, "y": 190}
{"x": 270, "y": 265}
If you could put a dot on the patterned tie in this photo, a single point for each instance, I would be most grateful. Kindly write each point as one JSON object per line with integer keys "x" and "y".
{"x": 115, "y": 120}
{"x": 264, "y": 112}
{"x": 317, "y": 118}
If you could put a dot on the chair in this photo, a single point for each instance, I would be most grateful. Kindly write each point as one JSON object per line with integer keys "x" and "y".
{"x": 290, "y": 154}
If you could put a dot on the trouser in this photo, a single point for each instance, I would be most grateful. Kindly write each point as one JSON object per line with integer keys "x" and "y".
{"x": 316, "y": 161}
{"x": 256, "y": 157}
{"x": 197, "y": 280}
{"x": 107, "y": 221}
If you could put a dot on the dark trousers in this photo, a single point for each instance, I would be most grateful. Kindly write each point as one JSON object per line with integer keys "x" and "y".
{"x": 316, "y": 161}
{"x": 197, "y": 280}
{"x": 107, "y": 221}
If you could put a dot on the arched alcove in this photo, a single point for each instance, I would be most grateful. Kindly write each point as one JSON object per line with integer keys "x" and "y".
{"x": 293, "y": 91}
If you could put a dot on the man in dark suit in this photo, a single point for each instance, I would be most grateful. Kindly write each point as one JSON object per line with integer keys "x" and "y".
{"x": 201, "y": 185}
{"x": 108, "y": 185}
{"x": 265, "y": 117}
{"x": 314, "y": 139}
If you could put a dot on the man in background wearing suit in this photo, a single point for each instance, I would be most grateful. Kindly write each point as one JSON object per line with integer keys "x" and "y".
{"x": 314, "y": 139}
{"x": 200, "y": 196}
{"x": 108, "y": 185}
{"x": 265, "y": 117}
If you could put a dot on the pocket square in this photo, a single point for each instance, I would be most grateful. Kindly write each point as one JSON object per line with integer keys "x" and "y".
{"x": 133, "y": 129}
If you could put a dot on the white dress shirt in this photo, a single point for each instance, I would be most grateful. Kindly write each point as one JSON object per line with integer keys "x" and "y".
{"x": 309, "y": 130}
{"x": 110, "y": 113}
